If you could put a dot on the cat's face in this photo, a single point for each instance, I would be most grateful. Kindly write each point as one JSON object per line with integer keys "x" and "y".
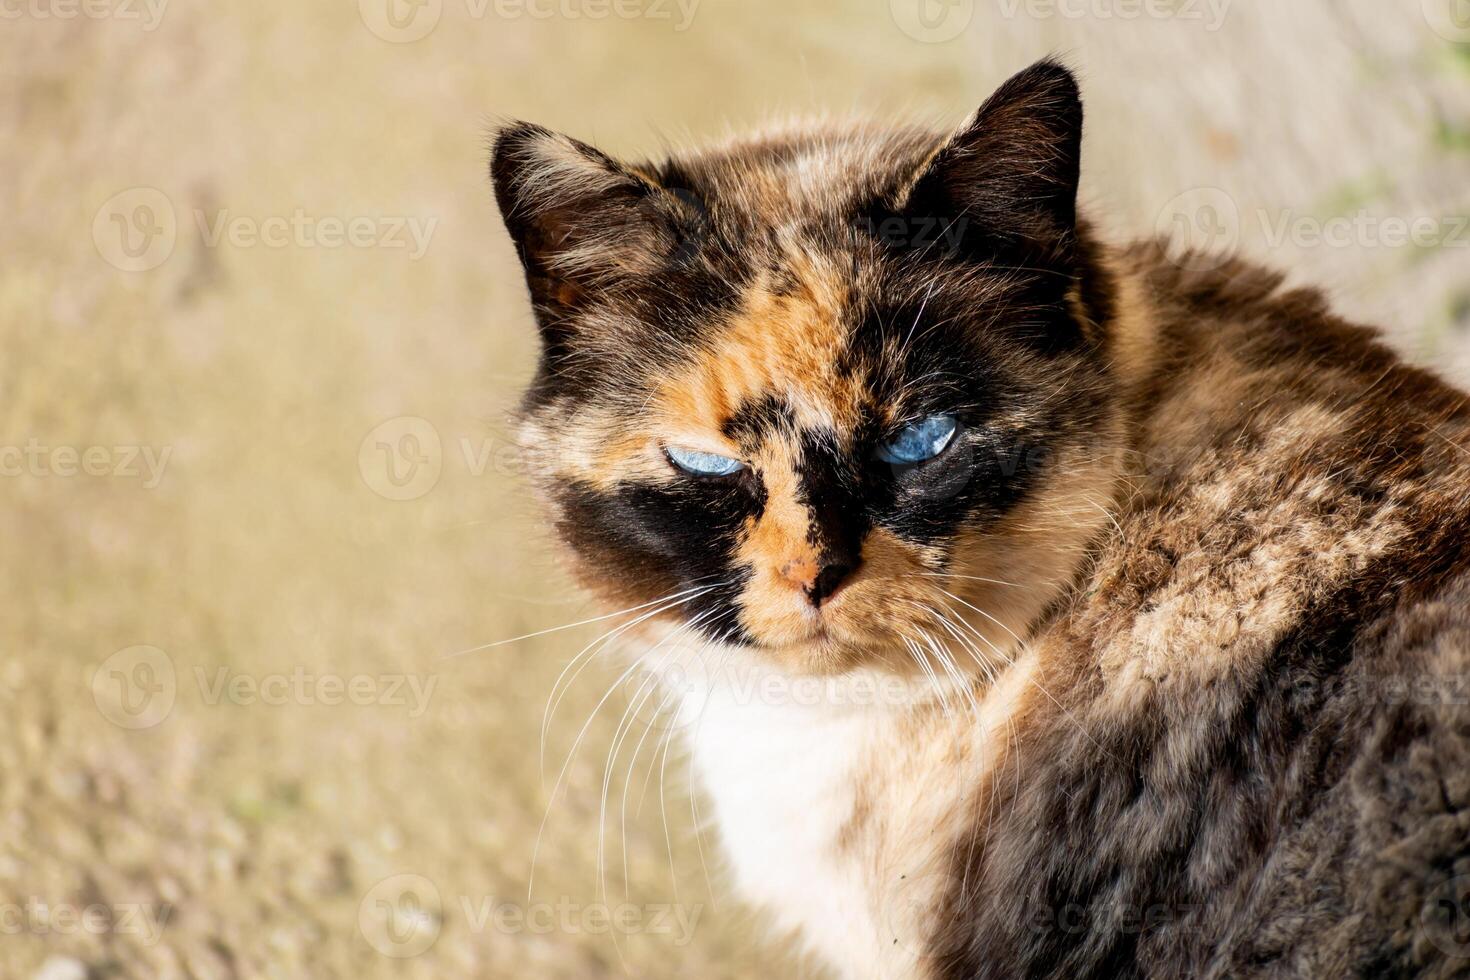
{"x": 836, "y": 396}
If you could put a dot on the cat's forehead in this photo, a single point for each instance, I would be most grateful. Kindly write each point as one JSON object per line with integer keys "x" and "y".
{"x": 797, "y": 176}
{"x": 776, "y": 362}
{"x": 784, "y": 206}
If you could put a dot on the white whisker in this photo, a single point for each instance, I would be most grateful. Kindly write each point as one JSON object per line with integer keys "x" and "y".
{"x": 553, "y": 700}
{"x": 568, "y": 626}
{"x": 970, "y": 578}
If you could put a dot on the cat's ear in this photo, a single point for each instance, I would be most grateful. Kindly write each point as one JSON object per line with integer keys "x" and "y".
{"x": 582, "y": 221}
{"x": 1008, "y": 179}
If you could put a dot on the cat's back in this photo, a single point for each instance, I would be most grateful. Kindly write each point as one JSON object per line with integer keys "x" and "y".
{"x": 1256, "y": 712}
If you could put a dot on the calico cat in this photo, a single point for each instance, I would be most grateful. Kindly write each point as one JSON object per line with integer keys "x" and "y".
{"x": 1136, "y": 588}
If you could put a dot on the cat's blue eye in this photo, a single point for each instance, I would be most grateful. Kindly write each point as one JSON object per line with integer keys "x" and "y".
{"x": 703, "y": 464}
{"x": 922, "y": 440}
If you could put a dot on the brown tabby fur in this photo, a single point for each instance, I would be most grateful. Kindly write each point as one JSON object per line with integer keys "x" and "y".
{"x": 1258, "y": 759}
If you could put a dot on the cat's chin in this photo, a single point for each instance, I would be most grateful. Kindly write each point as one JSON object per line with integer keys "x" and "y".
{"x": 831, "y": 651}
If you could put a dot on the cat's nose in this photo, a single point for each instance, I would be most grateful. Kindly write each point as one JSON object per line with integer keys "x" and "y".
{"x": 828, "y": 581}
{"x": 817, "y": 580}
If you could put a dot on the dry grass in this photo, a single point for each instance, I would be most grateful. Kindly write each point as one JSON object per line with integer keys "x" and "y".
{"x": 262, "y": 829}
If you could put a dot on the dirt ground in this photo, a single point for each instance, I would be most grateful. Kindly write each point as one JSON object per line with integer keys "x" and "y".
{"x": 261, "y": 331}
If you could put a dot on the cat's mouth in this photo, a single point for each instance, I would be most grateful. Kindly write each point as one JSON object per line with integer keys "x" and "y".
{"x": 822, "y": 642}
{"x": 864, "y": 615}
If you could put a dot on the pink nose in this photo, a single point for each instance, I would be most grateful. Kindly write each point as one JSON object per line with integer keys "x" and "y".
{"x": 800, "y": 572}
{"x": 818, "y": 581}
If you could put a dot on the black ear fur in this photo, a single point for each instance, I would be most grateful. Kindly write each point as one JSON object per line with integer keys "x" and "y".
{"x": 581, "y": 221}
{"x": 1006, "y": 183}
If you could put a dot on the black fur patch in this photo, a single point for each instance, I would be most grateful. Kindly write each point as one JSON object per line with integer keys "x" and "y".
{"x": 663, "y": 539}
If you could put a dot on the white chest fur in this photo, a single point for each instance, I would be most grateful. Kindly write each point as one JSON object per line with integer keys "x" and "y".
{"x": 783, "y": 781}
{"x": 839, "y": 817}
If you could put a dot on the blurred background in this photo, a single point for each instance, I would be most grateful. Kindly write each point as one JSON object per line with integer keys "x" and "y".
{"x": 261, "y": 331}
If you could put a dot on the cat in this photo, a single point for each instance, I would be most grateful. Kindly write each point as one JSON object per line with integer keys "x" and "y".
{"x": 1135, "y": 588}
